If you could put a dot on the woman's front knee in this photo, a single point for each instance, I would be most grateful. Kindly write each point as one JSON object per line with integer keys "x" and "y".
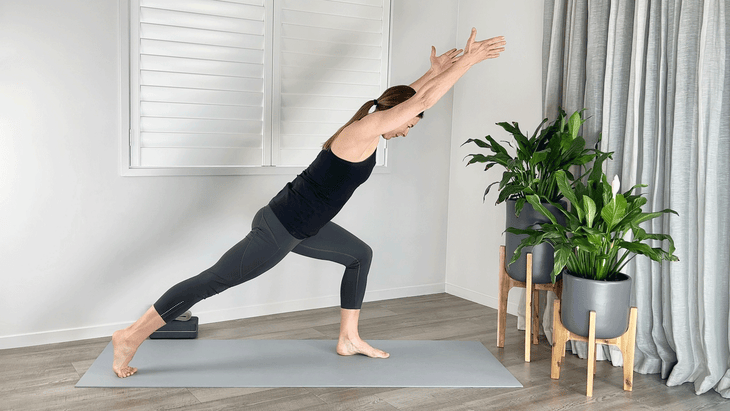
{"x": 364, "y": 254}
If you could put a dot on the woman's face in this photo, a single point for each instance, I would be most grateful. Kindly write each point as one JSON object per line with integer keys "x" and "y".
{"x": 402, "y": 131}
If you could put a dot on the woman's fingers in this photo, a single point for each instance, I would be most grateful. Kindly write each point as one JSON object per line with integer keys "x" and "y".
{"x": 492, "y": 47}
{"x": 452, "y": 54}
{"x": 473, "y": 35}
{"x": 469, "y": 42}
{"x": 494, "y": 42}
{"x": 455, "y": 52}
{"x": 448, "y": 54}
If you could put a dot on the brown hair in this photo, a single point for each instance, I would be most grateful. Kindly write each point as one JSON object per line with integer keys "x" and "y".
{"x": 389, "y": 99}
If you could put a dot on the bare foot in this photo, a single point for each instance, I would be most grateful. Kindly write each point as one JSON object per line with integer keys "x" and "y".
{"x": 123, "y": 353}
{"x": 358, "y": 346}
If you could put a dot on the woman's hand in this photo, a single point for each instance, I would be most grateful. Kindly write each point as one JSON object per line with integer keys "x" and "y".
{"x": 440, "y": 63}
{"x": 477, "y": 51}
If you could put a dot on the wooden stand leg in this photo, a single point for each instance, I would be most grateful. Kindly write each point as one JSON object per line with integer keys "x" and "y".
{"x": 528, "y": 308}
{"x": 591, "y": 352}
{"x": 504, "y": 286}
{"x": 627, "y": 350}
{"x": 535, "y": 315}
{"x": 559, "y": 340}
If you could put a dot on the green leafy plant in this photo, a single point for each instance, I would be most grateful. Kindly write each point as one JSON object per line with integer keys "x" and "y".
{"x": 603, "y": 230}
{"x": 531, "y": 171}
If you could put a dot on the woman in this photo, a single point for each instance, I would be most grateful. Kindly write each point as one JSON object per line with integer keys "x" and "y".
{"x": 298, "y": 218}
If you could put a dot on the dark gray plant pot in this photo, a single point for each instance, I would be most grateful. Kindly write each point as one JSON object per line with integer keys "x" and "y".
{"x": 610, "y": 300}
{"x": 542, "y": 255}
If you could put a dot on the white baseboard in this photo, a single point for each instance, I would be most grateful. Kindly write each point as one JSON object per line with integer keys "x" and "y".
{"x": 106, "y": 330}
{"x": 479, "y": 298}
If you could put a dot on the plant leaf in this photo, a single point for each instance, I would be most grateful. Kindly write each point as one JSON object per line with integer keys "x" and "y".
{"x": 477, "y": 158}
{"x": 496, "y": 147}
{"x": 590, "y": 210}
{"x": 637, "y": 248}
{"x": 597, "y": 169}
{"x": 565, "y": 189}
{"x": 535, "y": 201}
{"x": 533, "y": 238}
{"x": 513, "y": 128}
{"x": 584, "y": 244}
{"x": 519, "y": 205}
{"x": 649, "y": 216}
{"x": 561, "y": 257}
{"x": 487, "y": 190}
{"x": 574, "y": 124}
{"x": 545, "y": 120}
{"x": 480, "y": 143}
{"x": 538, "y": 157}
{"x": 508, "y": 191}
{"x": 506, "y": 177}
{"x": 614, "y": 211}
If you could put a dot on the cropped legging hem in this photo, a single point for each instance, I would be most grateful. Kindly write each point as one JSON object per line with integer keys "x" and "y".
{"x": 267, "y": 244}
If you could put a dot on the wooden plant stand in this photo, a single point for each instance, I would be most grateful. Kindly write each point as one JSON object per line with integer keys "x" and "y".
{"x": 532, "y": 322}
{"x": 625, "y": 343}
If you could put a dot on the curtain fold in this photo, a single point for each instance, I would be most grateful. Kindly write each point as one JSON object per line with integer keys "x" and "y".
{"x": 654, "y": 78}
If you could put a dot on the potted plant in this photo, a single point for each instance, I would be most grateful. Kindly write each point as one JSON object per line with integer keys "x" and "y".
{"x": 532, "y": 171}
{"x": 601, "y": 235}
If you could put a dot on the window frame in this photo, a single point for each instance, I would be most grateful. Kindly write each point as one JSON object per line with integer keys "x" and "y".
{"x": 126, "y": 112}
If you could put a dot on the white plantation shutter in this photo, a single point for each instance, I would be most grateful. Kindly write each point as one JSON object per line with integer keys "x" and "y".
{"x": 203, "y": 73}
{"x": 331, "y": 58}
{"x": 201, "y": 83}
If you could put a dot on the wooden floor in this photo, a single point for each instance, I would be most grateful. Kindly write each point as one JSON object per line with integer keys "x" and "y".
{"x": 43, "y": 377}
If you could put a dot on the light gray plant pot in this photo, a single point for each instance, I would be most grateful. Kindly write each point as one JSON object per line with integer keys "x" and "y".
{"x": 542, "y": 255}
{"x": 610, "y": 300}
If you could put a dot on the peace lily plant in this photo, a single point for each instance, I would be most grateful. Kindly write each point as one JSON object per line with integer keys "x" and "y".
{"x": 532, "y": 170}
{"x": 602, "y": 233}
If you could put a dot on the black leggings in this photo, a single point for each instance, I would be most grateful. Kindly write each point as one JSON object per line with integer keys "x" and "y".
{"x": 267, "y": 244}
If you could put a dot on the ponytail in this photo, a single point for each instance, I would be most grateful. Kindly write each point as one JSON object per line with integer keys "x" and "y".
{"x": 389, "y": 99}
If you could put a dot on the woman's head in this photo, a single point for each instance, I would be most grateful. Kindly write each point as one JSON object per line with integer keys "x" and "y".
{"x": 389, "y": 99}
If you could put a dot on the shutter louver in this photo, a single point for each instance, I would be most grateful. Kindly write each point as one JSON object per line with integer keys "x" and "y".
{"x": 200, "y": 84}
{"x": 331, "y": 58}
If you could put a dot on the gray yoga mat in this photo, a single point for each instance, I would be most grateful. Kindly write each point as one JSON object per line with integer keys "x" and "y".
{"x": 302, "y": 363}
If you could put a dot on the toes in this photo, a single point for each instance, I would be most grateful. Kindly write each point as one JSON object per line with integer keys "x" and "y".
{"x": 125, "y": 372}
{"x": 376, "y": 353}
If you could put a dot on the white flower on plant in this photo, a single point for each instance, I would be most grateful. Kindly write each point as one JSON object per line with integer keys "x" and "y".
{"x": 615, "y": 185}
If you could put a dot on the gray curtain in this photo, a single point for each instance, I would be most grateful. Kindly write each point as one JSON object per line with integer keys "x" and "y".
{"x": 654, "y": 77}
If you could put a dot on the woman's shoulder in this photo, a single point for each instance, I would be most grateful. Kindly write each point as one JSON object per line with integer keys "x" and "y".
{"x": 360, "y": 160}
{"x": 354, "y": 150}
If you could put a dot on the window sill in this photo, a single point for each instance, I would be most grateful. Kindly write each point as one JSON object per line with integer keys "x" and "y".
{"x": 222, "y": 171}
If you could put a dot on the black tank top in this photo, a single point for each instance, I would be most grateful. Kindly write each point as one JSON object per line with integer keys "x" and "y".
{"x": 316, "y": 195}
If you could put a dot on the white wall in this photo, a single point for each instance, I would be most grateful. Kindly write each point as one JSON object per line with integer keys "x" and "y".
{"x": 84, "y": 251}
{"x": 505, "y": 89}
